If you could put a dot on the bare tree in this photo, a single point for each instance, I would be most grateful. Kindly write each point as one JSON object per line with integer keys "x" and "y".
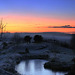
{"x": 2, "y": 27}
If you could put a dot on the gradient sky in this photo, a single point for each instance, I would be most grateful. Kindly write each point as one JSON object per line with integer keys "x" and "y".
{"x": 38, "y": 15}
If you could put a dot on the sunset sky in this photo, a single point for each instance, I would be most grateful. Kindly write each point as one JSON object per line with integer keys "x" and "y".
{"x": 38, "y": 15}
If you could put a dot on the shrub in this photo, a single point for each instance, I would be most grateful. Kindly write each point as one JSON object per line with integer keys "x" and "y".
{"x": 73, "y": 60}
{"x": 26, "y": 50}
{"x": 64, "y": 44}
{"x": 53, "y": 60}
{"x": 16, "y": 38}
{"x": 38, "y": 38}
{"x": 4, "y": 44}
{"x": 73, "y": 41}
{"x": 27, "y": 39}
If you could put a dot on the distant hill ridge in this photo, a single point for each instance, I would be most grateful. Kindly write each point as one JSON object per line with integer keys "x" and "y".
{"x": 49, "y": 33}
{"x": 56, "y": 33}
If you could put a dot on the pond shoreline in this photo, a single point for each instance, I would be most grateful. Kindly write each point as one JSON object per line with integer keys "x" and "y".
{"x": 48, "y": 65}
{"x": 55, "y": 66}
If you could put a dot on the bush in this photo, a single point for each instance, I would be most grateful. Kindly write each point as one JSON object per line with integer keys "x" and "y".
{"x": 73, "y": 41}
{"x": 53, "y": 60}
{"x": 4, "y": 44}
{"x": 64, "y": 44}
{"x": 16, "y": 38}
{"x": 73, "y": 60}
{"x": 26, "y": 50}
{"x": 38, "y": 38}
{"x": 27, "y": 39}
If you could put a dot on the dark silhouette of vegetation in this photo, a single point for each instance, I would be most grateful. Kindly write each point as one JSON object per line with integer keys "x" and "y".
{"x": 26, "y": 50}
{"x": 27, "y": 39}
{"x": 4, "y": 44}
{"x": 16, "y": 38}
{"x": 72, "y": 71}
{"x": 2, "y": 26}
{"x": 73, "y": 41}
{"x": 59, "y": 43}
{"x": 38, "y": 38}
{"x": 73, "y": 60}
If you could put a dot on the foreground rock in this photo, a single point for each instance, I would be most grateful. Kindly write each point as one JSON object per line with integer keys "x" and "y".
{"x": 4, "y": 72}
{"x": 72, "y": 71}
{"x": 8, "y": 62}
{"x": 57, "y": 66}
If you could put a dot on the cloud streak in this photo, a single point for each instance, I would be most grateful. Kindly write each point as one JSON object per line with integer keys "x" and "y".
{"x": 66, "y": 26}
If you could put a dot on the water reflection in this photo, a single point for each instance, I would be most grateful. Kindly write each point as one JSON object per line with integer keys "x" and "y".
{"x": 34, "y": 67}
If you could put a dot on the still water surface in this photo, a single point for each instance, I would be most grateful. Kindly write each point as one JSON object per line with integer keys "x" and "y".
{"x": 34, "y": 67}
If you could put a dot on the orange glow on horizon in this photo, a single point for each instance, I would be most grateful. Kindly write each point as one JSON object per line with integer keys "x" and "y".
{"x": 28, "y": 23}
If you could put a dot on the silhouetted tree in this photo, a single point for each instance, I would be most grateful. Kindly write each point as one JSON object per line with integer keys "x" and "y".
{"x": 2, "y": 26}
{"x": 73, "y": 41}
{"x": 27, "y": 39}
{"x": 38, "y": 38}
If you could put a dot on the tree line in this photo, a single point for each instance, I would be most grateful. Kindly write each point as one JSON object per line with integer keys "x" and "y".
{"x": 27, "y": 39}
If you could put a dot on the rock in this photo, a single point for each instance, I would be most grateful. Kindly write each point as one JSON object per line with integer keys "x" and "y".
{"x": 11, "y": 70}
{"x": 72, "y": 71}
{"x": 57, "y": 66}
{"x": 3, "y": 72}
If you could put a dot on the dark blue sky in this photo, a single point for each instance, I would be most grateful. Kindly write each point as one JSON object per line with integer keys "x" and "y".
{"x": 57, "y": 8}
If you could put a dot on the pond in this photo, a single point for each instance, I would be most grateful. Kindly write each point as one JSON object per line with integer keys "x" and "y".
{"x": 34, "y": 67}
